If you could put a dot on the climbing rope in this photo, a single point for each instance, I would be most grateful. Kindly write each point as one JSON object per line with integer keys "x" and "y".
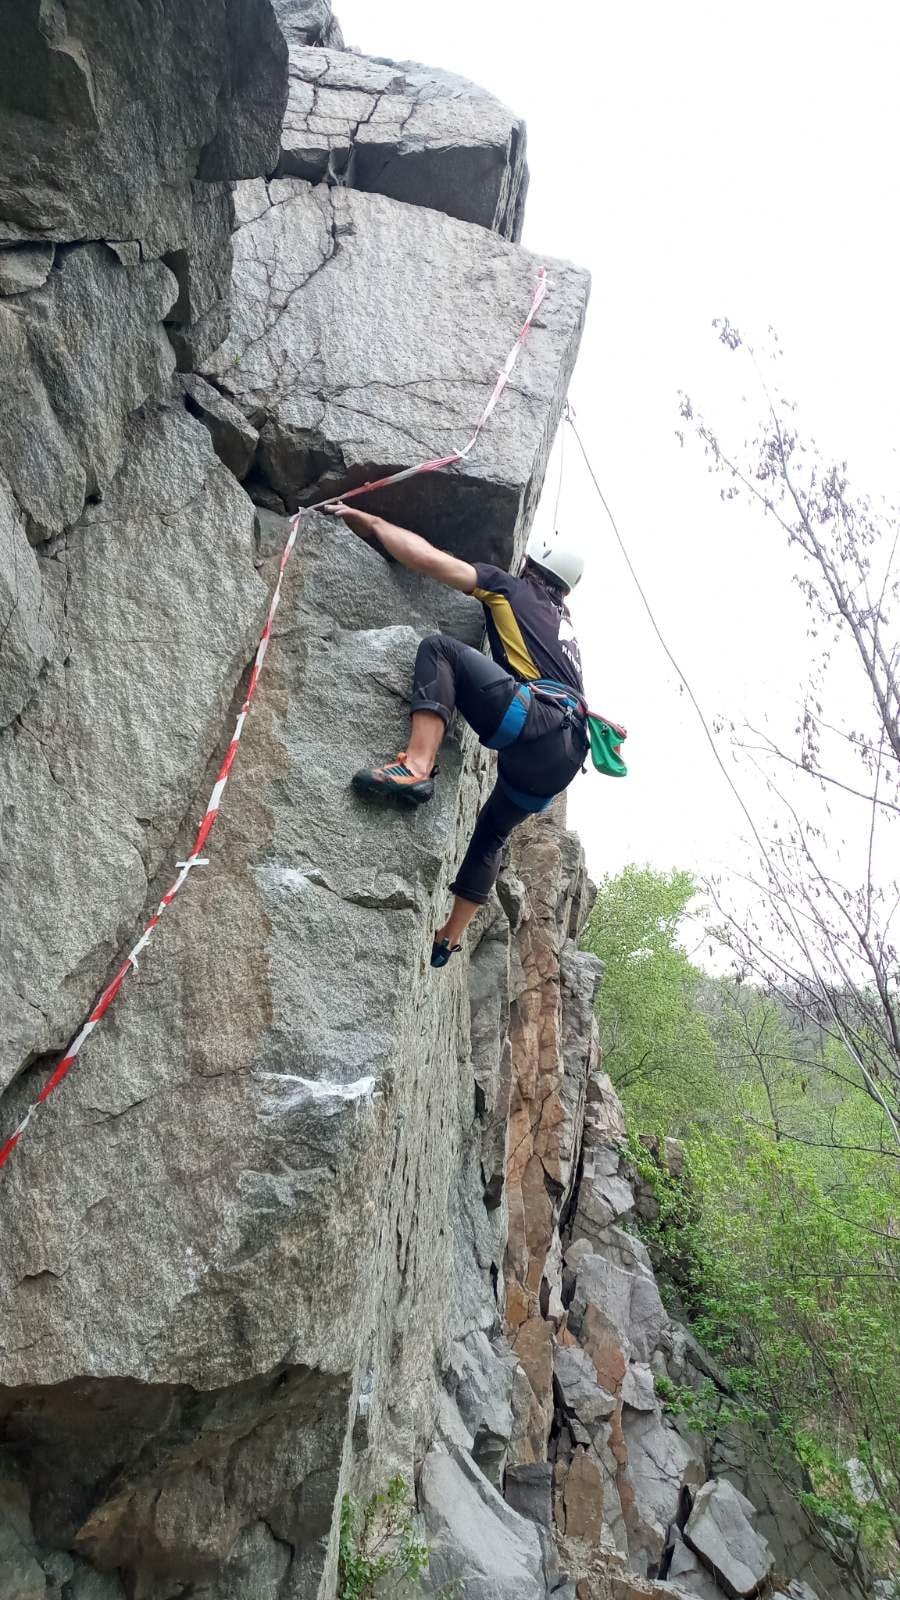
{"x": 197, "y": 858}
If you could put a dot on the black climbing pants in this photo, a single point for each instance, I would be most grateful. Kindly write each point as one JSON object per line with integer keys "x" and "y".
{"x": 543, "y": 761}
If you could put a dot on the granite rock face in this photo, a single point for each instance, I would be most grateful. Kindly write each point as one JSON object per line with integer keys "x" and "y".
{"x": 108, "y": 750}
{"x": 243, "y": 1242}
{"x": 326, "y": 357}
{"x": 110, "y": 109}
{"x": 26, "y": 636}
{"x": 413, "y": 133}
{"x": 77, "y": 357}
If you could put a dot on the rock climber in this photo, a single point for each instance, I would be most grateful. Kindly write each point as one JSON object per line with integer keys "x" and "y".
{"x": 527, "y": 702}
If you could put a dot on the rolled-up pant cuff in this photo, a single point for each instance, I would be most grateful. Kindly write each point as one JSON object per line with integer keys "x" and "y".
{"x": 430, "y": 705}
{"x": 476, "y": 897}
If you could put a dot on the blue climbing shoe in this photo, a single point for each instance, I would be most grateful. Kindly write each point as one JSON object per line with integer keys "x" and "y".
{"x": 441, "y": 951}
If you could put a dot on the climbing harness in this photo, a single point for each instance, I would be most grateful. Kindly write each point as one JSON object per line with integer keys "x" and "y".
{"x": 605, "y": 738}
{"x": 196, "y": 857}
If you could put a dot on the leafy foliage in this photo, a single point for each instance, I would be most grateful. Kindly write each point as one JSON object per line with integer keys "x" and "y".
{"x": 784, "y": 1240}
{"x": 654, "y": 1034}
{"x": 378, "y": 1543}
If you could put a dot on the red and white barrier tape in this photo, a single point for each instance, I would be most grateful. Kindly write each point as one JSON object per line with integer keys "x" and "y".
{"x": 196, "y": 857}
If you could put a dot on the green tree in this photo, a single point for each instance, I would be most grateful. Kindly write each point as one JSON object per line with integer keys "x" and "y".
{"x": 656, "y": 1042}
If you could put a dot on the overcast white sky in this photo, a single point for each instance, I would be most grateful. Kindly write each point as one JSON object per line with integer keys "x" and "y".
{"x": 700, "y": 159}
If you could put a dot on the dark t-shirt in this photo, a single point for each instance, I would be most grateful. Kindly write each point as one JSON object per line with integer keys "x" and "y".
{"x": 530, "y": 633}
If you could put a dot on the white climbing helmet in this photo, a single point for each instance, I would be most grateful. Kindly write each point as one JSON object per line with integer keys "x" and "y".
{"x": 553, "y": 553}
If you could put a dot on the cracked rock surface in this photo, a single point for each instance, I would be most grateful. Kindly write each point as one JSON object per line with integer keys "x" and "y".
{"x": 414, "y": 133}
{"x": 367, "y": 334}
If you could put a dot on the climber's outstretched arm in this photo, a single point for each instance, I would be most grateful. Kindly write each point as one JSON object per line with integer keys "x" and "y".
{"x": 408, "y": 548}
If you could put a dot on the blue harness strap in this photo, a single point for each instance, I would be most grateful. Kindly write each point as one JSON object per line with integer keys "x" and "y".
{"x": 513, "y": 720}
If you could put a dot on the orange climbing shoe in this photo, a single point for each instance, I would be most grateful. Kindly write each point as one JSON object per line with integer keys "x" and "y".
{"x": 395, "y": 782}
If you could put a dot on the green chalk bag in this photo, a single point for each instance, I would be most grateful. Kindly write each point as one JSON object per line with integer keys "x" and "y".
{"x": 606, "y": 743}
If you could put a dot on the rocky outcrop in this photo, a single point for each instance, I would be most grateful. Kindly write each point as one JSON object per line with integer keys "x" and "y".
{"x": 413, "y": 133}
{"x": 306, "y": 22}
{"x": 307, "y": 1213}
{"x": 244, "y": 1241}
{"x": 326, "y": 357}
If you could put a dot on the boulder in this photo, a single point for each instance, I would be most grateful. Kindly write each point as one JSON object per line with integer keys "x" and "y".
{"x": 603, "y": 1197}
{"x": 795, "y": 1540}
{"x": 475, "y": 1539}
{"x": 305, "y": 22}
{"x": 583, "y": 1497}
{"x": 21, "y": 1577}
{"x": 689, "y": 1574}
{"x": 604, "y": 1117}
{"x": 332, "y": 290}
{"x": 481, "y": 1378}
{"x": 639, "y": 1388}
{"x": 720, "y": 1531}
{"x": 77, "y": 357}
{"x": 417, "y": 134}
{"x": 88, "y": 1584}
{"x": 199, "y": 320}
{"x": 529, "y": 1490}
{"x": 660, "y": 1465}
{"x": 449, "y": 1427}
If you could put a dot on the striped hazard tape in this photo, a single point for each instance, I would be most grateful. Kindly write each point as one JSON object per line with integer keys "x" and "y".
{"x": 196, "y": 857}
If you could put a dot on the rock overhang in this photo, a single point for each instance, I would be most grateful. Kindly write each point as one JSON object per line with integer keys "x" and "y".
{"x": 411, "y": 132}
{"x": 367, "y": 336}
